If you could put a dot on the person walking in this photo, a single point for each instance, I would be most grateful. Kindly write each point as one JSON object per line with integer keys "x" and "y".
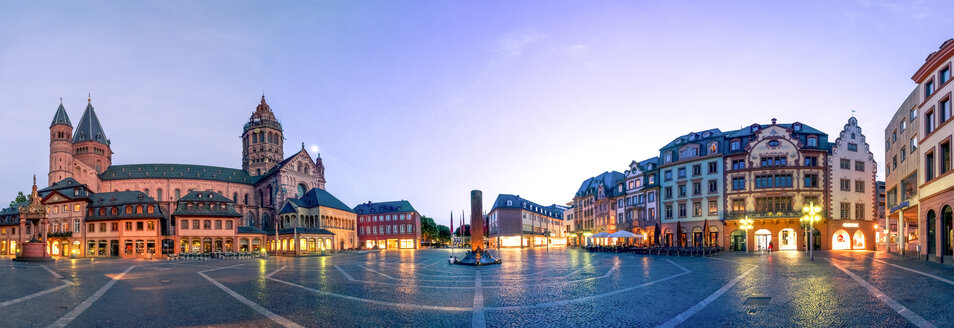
{"x": 770, "y": 247}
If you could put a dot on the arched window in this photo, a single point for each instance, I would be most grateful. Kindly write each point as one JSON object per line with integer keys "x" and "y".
{"x": 265, "y": 219}
{"x": 250, "y": 219}
{"x": 178, "y": 194}
{"x": 235, "y": 197}
{"x": 159, "y": 194}
{"x": 138, "y": 209}
{"x": 151, "y": 209}
{"x": 301, "y": 190}
{"x": 246, "y": 198}
{"x": 271, "y": 193}
{"x": 113, "y": 211}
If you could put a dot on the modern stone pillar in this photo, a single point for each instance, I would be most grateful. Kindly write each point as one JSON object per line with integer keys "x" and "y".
{"x": 476, "y": 220}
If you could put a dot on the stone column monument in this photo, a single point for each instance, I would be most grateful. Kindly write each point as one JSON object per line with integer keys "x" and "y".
{"x": 477, "y": 254}
{"x": 476, "y": 221}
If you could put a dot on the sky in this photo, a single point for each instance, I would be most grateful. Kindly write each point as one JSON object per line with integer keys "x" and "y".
{"x": 427, "y": 100}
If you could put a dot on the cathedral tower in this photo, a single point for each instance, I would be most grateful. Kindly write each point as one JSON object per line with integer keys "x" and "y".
{"x": 61, "y": 147}
{"x": 90, "y": 144}
{"x": 262, "y": 141}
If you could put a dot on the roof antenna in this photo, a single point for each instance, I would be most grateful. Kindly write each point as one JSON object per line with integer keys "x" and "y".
{"x": 90, "y": 97}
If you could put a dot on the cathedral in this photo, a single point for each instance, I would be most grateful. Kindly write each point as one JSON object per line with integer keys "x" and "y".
{"x": 258, "y": 190}
{"x": 94, "y": 208}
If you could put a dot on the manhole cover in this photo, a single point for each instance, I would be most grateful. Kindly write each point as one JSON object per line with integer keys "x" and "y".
{"x": 757, "y": 301}
{"x": 164, "y": 281}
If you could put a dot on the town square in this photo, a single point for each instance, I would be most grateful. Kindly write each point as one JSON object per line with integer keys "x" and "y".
{"x": 560, "y": 287}
{"x": 493, "y": 164}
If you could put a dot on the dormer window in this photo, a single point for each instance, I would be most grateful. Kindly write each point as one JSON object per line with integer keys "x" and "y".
{"x": 812, "y": 142}
{"x": 797, "y": 126}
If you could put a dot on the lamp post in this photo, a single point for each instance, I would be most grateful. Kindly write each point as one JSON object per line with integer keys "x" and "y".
{"x": 746, "y": 224}
{"x": 811, "y": 214}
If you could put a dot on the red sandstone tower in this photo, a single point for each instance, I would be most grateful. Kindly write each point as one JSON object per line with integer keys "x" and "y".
{"x": 61, "y": 146}
{"x": 90, "y": 144}
{"x": 262, "y": 141}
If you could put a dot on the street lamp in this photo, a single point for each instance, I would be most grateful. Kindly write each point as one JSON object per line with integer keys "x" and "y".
{"x": 746, "y": 224}
{"x": 811, "y": 214}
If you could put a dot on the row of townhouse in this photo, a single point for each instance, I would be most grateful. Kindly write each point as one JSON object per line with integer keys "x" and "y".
{"x": 702, "y": 185}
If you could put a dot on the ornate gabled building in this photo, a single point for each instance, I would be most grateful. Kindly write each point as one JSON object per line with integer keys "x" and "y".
{"x": 772, "y": 171}
{"x": 853, "y": 206}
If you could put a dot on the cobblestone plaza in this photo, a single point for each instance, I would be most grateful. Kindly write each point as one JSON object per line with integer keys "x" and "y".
{"x": 559, "y": 287}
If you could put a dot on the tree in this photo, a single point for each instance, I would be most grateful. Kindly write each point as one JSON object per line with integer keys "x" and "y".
{"x": 443, "y": 234}
{"x": 20, "y": 199}
{"x": 428, "y": 229}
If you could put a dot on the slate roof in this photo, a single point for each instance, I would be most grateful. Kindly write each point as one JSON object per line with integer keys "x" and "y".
{"x": 65, "y": 187}
{"x": 747, "y": 131}
{"x": 178, "y": 171}
{"x": 61, "y": 117}
{"x": 121, "y": 199}
{"x": 694, "y": 137}
{"x": 312, "y": 231}
{"x": 89, "y": 128}
{"x": 384, "y": 207}
{"x": 607, "y": 179}
{"x": 315, "y": 198}
{"x": 643, "y": 166}
{"x": 11, "y": 215}
{"x": 246, "y": 229}
{"x": 205, "y": 196}
{"x": 553, "y": 211}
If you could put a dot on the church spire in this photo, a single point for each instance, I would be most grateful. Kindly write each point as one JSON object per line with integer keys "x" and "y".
{"x": 61, "y": 117}
{"x": 89, "y": 128}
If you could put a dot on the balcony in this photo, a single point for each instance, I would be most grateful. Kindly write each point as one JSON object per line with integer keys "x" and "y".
{"x": 736, "y": 215}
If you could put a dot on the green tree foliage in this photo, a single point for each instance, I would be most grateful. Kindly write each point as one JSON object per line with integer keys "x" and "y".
{"x": 443, "y": 234}
{"x": 428, "y": 229}
{"x": 20, "y": 198}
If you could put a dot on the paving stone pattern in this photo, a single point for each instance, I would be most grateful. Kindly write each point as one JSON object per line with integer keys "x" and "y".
{"x": 562, "y": 287}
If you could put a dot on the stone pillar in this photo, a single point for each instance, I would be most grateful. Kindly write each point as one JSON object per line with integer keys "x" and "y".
{"x": 476, "y": 220}
{"x": 901, "y": 229}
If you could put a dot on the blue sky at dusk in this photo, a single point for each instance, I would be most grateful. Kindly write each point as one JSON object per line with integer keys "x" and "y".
{"x": 426, "y": 100}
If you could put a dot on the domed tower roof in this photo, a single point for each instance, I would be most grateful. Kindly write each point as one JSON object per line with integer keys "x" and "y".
{"x": 60, "y": 117}
{"x": 89, "y": 128}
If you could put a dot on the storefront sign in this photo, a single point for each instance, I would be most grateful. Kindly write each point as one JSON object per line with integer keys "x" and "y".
{"x": 850, "y": 224}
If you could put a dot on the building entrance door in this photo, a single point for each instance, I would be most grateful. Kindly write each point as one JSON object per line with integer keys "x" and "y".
{"x": 113, "y": 248}
{"x": 762, "y": 239}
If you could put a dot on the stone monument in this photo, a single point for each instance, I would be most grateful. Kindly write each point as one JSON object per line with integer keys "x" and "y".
{"x": 34, "y": 216}
{"x": 477, "y": 254}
